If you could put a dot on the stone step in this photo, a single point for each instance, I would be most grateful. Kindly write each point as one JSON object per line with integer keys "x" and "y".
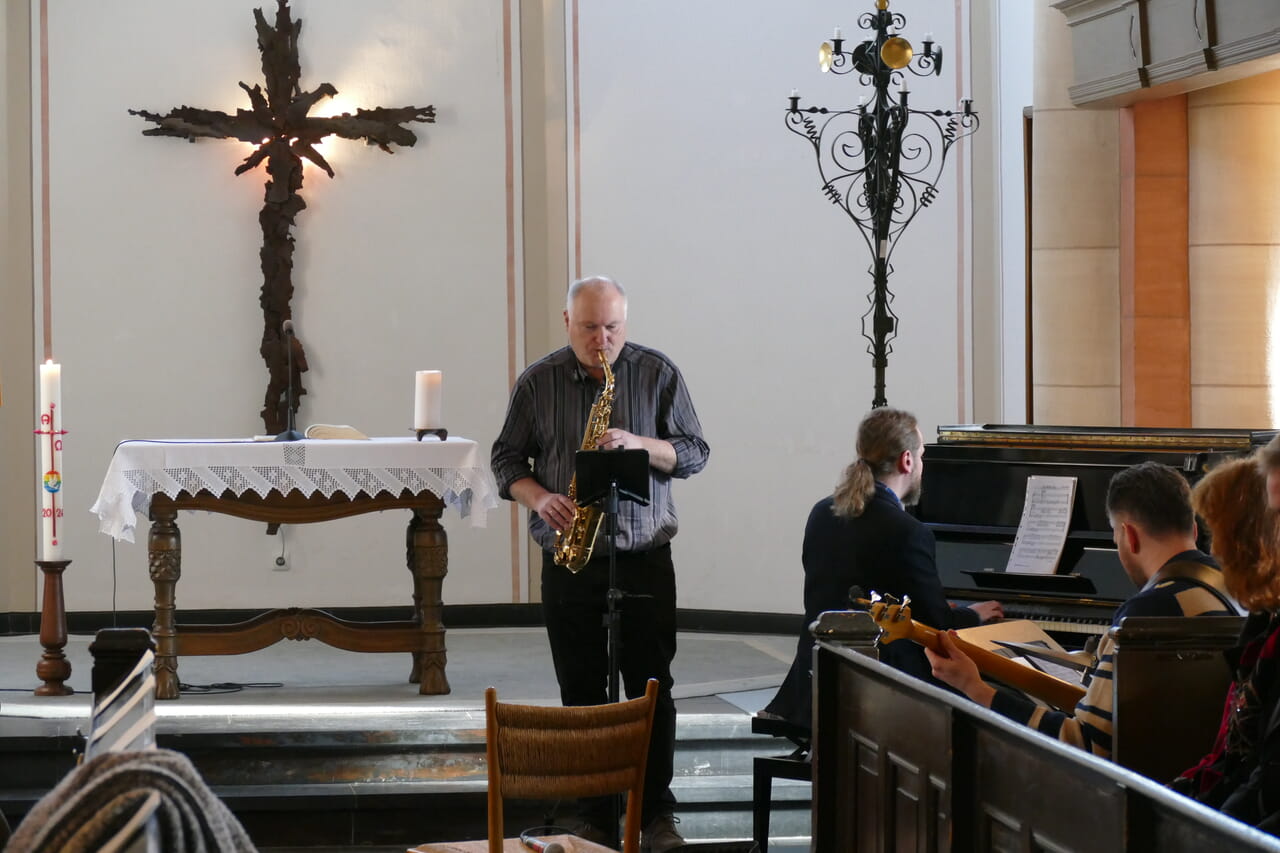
{"x": 403, "y": 778}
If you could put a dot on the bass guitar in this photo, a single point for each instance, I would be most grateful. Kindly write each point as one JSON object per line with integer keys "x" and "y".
{"x": 895, "y": 622}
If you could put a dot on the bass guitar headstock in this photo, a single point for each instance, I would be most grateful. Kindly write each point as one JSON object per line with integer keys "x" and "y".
{"x": 892, "y": 616}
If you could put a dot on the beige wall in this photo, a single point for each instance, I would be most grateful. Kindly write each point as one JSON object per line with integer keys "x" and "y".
{"x": 17, "y": 340}
{"x": 1233, "y": 250}
{"x": 1235, "y": 253}
{"x": 1075, "y": 245}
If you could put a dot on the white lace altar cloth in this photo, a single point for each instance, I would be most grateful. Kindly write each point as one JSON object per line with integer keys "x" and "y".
{"x": 451, "y": 470}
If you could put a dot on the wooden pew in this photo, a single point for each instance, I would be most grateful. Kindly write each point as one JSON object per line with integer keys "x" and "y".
{"x": 1170, "y": 683}
{"x": 901, "y": 765}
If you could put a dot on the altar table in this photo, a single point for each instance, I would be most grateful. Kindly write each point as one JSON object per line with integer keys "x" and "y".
{"x": 297, "y": 482}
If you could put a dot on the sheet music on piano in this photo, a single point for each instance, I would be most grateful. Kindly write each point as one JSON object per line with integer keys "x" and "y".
{"x": 1042, "y": 531}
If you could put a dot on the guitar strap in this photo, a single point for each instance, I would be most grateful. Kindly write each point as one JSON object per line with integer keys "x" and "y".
{"x": 1200, "y": 575}
{"x": 1197, "y": 574}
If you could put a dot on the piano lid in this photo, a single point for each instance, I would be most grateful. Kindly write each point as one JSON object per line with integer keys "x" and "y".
{"x": 1106, "y": 438}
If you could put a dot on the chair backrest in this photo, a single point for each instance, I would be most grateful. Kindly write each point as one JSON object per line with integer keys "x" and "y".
{"x": 539, "y": 752}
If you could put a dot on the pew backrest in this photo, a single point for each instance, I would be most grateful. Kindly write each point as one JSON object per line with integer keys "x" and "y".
{"x": 899, "y": 764}
{"x": 1170, "y": 683}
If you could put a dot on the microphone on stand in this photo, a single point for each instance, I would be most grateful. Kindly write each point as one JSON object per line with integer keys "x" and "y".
{"x": 540, "y": 846}
{"x": 289, "y": 434}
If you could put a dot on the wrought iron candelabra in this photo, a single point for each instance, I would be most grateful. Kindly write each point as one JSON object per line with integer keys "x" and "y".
{"x": 880, "y": 161}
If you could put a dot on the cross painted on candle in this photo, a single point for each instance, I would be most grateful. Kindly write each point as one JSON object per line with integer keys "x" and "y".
{"x": 51, "y": 431}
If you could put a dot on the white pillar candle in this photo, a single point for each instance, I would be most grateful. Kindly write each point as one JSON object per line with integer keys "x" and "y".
{"x": 426, "y": 400}
{"x": 50, "y": 431}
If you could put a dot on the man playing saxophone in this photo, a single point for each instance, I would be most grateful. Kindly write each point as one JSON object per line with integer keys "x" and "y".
{"x": 554, "y": 401}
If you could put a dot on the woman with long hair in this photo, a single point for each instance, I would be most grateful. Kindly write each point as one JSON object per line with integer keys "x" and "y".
{"x": 1241, "y": 774}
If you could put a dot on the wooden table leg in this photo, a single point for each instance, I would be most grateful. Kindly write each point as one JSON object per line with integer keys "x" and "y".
{"x": 164, "y": 557}
{"x": 428, "y": 558}
{"x": 54, "y": 668}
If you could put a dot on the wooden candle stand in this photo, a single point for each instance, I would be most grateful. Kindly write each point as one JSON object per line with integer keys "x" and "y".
{"x": 440, "y": 433}
{"x": 54, "y": 668}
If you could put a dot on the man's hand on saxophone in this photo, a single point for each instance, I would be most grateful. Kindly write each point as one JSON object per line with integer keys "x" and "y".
{"x": 554, "y": 508}
{"x": 662, "y": 455}
{"x": 618, "y": 439}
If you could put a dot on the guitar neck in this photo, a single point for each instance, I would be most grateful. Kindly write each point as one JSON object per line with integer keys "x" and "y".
{"x": 1055, "y": 691}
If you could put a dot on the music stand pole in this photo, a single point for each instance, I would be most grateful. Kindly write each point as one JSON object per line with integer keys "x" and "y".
{"x": 609, "y": 476}
{"x": 614, "y": 595}
{"x": 598, "y": 473}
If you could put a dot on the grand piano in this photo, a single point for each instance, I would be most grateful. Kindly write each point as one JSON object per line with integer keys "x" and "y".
{"x": 973, "y": 491}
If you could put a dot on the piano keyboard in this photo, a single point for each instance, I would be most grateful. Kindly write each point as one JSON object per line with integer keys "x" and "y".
{"x": 1064, "y": 627}
{"x": 1082, "y": 621}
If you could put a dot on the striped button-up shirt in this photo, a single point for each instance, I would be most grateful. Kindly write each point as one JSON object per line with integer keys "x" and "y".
{"x": 547, "y": 417}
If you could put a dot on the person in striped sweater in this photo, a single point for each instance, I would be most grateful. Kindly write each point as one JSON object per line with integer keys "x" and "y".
{"x": 1154, "y": 529}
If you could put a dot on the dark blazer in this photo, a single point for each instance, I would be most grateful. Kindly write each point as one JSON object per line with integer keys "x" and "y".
{"x": 884, "y": 550}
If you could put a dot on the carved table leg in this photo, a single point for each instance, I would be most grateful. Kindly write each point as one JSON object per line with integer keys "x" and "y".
{"x": 53, "y": 668}
{"x": 164, "y": 555}
{"x": 428, "y": 557}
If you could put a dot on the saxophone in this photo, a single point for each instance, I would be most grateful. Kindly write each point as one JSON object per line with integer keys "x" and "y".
{"x": 573, "y": 546}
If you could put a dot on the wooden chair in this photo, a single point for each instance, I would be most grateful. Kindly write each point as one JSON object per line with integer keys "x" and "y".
{"x": 542, "y": 753}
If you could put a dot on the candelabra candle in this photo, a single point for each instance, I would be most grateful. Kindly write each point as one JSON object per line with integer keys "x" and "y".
{"x": 50, "y": 430}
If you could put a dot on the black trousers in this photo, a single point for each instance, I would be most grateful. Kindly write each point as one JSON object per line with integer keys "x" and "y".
{"x": 575, "y": 606}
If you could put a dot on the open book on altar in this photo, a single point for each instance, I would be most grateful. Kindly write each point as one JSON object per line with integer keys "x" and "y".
{"x": 322, "y": 431}
{"x": 339, "y": 431}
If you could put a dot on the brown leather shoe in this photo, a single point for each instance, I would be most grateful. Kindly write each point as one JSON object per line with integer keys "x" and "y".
{"x": 660, "y": 835}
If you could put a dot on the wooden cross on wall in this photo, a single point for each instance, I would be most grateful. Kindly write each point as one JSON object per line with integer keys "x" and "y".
{"x": 279, "y": 126}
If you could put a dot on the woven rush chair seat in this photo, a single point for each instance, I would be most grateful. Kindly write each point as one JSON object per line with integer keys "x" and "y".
{"x": 537, "y": 752}
{"x": 570, "y": 843}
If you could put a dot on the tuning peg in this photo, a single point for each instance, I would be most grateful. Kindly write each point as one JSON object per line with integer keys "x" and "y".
{"x": 889, "y": 599}
{"x": 906, "y": 600}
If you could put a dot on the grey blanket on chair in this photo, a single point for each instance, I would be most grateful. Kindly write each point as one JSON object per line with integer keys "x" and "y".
{"x": 97, "y": 799}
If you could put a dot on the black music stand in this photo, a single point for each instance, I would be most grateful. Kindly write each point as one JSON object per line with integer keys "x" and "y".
{"x": 612, "y": 476}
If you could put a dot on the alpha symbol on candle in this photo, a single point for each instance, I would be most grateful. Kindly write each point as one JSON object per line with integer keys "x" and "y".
{"x": 51, "y": 480}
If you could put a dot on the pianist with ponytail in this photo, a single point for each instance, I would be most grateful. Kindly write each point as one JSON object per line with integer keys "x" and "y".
{"x": 1239, "y": 501}
{"x": 862, "y": 535}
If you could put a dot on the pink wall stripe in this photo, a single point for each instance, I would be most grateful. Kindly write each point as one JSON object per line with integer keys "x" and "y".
{"x": 45, "y": 252}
